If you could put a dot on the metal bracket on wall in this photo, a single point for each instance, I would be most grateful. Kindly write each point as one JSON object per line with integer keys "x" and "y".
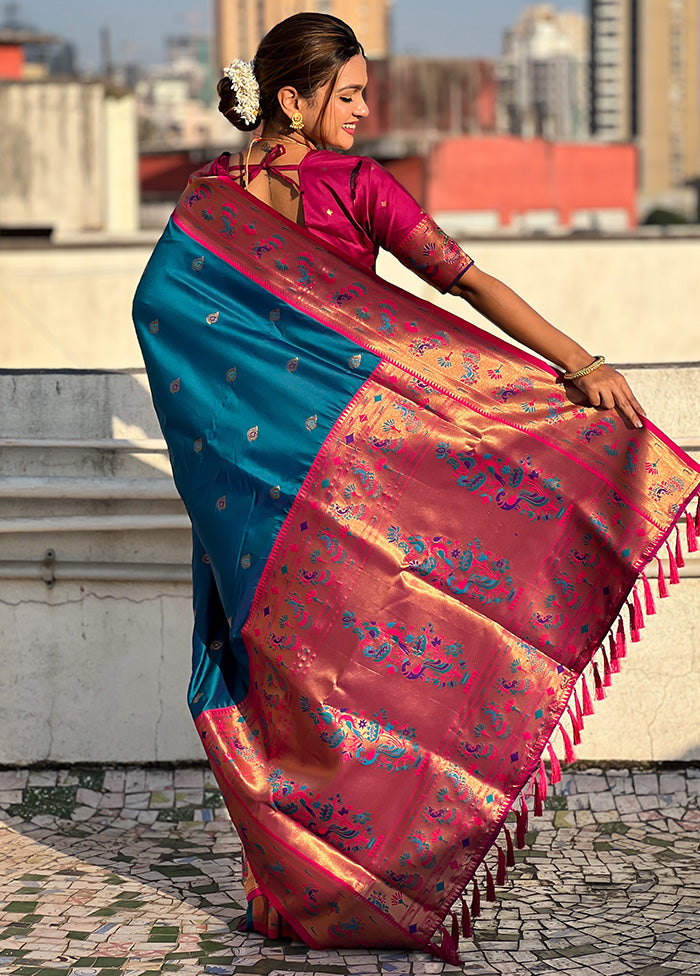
{"x": 47, "y": 567}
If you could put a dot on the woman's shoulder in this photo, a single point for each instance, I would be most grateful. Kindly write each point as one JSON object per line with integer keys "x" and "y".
{"x": 215, "y": 167}
{"x": 325, "y": 160}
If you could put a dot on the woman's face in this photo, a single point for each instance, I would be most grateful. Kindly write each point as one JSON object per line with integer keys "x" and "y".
{"x": 335, "y": 128}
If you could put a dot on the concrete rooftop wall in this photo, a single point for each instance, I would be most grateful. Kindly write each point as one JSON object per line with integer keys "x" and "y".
{"x": 634, "y": 300}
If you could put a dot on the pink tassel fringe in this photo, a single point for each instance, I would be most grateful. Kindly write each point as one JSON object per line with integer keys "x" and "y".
{"x": 649, "y": 604}
{"x": 599, "y": 689}
{"x": 620, "y": 639}
{"x": 614, "y": 662}
{"x": 634, "y": 629}
{"x": 638, "y": 615}
{"x": 587, "y": 701}
{"x": 501, "y": 866}
{"x": 569, "y": 754}
{"x": 467, "y": 931}
{"x": 555, "y": 768}
{"x": 691, "y": 536}
{"x": 476, "y": 900}
{"x": 542, "y": 781}
{"x": 663, "y": 589}
{"x": 673, "y": 577}
{"x": 510, "y": 853}
{"x": 576, "y": 729}
{"x": 490, "y": 888}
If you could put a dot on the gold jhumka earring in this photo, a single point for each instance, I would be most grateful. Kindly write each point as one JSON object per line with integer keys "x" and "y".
{"x": 296, "y": 122}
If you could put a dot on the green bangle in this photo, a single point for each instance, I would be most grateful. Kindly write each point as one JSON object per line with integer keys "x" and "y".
{"x": 598, "y": 361}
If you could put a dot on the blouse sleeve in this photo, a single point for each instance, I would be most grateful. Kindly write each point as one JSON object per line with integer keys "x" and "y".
{"x": 398, "y": 224}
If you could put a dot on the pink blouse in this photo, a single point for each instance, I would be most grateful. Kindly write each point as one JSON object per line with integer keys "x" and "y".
{"x": 354, "y": 204}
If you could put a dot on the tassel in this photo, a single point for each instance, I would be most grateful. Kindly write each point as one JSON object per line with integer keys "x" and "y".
{"x": 614, "y": 662}
{"x": 510, "y": 853}
{"x": 587, "y": 703}
{"x": 648, "y": 597}
{"x": 501, "y": 867}
{"x": 620, "y": 639}
{"x": 448, "y": 949}
{"x": 569, "y": 754}
{"x": 524, "y": 812}
{"x": 579, "y": 711}
{"x": 697, "y": 517}
{"x": 466, "y": 921}
{"x": 521, "y": 824}
{"x": 680, "y": 561}
{"x": 455, "y": 929}
{"x": 490, "y": 889}
{"x": 663, "y": 589}
{"x": 543, "y": 780}
{"x": 672, "y": 567}
{"x": 576, "y": 728}
{"x": 691, "y": 536}
{"x": 555, "y": 770}
{"x": 638, "y": 615}
{"x": 538, "y": 802}
{"x": 599, "y": 689}
{"x": 476, "y": 900}
{"x": 607, "y": 677}
{"x": 634, "y": 632}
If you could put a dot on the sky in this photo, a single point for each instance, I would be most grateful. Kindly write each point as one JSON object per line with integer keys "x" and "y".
{"x": 470, "y": 28}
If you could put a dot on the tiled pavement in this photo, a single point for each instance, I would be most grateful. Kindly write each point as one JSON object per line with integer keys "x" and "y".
{"x": 116, "y": 871}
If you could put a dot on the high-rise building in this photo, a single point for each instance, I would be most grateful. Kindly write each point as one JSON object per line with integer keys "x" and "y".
{"x": 241, "y": 24}
{"x": 542, "y": 75}
{"x": 645, "y": 88}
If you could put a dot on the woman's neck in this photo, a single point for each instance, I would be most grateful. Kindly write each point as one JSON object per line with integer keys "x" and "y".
{"x": 270, "y": 134}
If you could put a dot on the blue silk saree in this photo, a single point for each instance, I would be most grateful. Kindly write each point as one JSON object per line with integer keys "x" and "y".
{"x": 413, "y": 556}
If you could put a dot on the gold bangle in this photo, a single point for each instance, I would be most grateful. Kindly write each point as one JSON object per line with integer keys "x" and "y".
{"x": 598, "y": 361}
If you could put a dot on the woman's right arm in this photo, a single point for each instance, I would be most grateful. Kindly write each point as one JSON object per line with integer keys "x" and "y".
{"x": 605, "y": 388}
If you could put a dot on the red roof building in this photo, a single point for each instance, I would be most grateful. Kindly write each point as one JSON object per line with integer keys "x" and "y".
{"x": 514, "y": 180}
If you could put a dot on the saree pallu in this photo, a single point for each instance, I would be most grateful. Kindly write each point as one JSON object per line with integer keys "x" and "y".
{"x": 408, "y": 544}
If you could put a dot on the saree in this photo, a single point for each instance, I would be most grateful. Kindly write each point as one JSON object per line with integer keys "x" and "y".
{"x": 414, "y": 555}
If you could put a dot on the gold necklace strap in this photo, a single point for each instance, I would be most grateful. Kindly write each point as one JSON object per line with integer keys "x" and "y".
{"x": 246, "y": 179}
{"x": 577, "y": 374}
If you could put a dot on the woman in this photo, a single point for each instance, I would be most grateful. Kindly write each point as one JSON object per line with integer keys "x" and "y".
{"x": 410, "y": 538}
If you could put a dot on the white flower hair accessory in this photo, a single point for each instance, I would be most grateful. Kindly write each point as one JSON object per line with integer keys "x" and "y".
{"x": 245, "y": 88}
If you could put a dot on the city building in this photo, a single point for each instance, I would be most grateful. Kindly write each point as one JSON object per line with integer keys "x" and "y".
{"x": 67, "y": 158}
{"x": 543, "y": 75}
{"x": 418, "y": 100}
{"x": 645, "y": 87}
{"x": 241, "y": 24}
{"x": 177, "y": 101}
{"x": 67, "y": 146}
{"x": 474, "y": 184}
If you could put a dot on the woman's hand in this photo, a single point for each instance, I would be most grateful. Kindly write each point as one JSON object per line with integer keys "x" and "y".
{"x": 607, "y": 389}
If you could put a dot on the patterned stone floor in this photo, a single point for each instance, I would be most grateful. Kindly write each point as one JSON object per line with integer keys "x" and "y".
{"x": 131, "y": 871}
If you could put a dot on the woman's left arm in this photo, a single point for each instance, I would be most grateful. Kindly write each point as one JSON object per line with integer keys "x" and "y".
{"x": 605, "y": 387}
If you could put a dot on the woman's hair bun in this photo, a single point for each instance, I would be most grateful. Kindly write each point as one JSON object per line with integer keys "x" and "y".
{"x": 228, "y": 106}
